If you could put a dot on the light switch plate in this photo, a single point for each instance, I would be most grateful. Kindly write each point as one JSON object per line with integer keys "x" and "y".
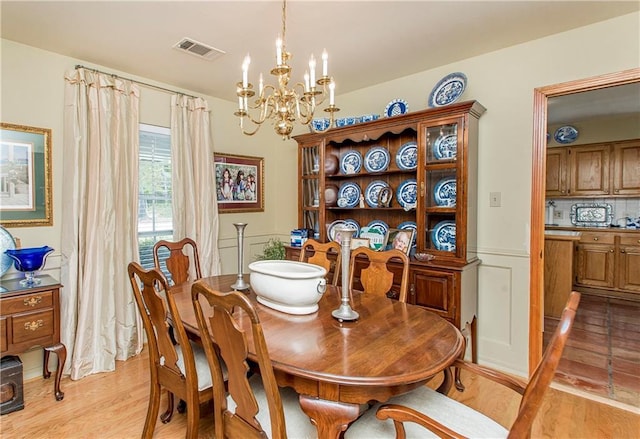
{"x": 494, "y": 199}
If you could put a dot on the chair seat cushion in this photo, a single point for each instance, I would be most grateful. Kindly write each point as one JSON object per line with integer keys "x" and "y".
{"x": 298, "y": 424}
{"x": 202, "y": 365}
{"x": 449, "y": 412}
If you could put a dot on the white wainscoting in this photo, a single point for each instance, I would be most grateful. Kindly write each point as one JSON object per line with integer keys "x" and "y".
{"x": 503, "y": 311}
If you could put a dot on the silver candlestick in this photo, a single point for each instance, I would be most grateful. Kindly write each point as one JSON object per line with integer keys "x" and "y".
{"x": 240, "y": 282}
{"x": 345, "y": 312}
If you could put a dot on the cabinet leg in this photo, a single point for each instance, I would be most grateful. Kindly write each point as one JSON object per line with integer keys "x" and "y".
{"x": 61, "y": 351}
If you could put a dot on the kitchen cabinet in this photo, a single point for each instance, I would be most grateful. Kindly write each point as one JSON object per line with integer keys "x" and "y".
{"x": 558, "y": 271}
{"x": 628, "y": 263}
{"x": 29, "y": 318}
{"x": 607, "y": 263}
{"x": 626, "y": 168}
{"x": 605, "y": 169}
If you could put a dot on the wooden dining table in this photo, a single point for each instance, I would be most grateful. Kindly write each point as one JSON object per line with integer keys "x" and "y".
{"x": 338, "y": 368}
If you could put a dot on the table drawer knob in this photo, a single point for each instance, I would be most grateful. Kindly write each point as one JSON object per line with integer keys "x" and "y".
{"x": 32, "y": 301}
{"x": 33, "y": 326}
{"x": 595, "y": 239}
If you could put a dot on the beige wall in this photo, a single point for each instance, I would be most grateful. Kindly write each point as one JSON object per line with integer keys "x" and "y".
{"x": 503, "y": 81}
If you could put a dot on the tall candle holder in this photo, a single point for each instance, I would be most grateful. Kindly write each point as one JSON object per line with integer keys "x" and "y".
{"x": 240, "y": 282}
{"x": 345, "y": 312}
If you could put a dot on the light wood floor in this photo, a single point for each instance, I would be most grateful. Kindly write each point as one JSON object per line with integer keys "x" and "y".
{"x": 113, "y": 405}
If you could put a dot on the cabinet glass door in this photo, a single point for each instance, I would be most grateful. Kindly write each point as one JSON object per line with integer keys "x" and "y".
{"x": 440, "y": 200}
{"x": 310, "y": 189}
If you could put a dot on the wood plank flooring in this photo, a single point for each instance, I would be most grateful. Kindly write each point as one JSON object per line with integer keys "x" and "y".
{"x": 602, "y": 356}
{"x": 113, "y": 405}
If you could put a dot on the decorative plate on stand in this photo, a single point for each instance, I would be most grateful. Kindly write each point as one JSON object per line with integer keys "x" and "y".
{"x": 445, "y": 147}
{"x": 566, "y": 134}
{"x": 351, "y": 162}
{"x": 372, "y": 192}
{"x": 443, "y": 235}
{"x": 444, "y": 193}
{"x": 396, "y": 107}
{"x": 350, "y": 193}
{"x": 448, "y": 90}
{"x": 377, "y": 159}
{"x": 407, "y": 193}
{"x": 407, "y": 156}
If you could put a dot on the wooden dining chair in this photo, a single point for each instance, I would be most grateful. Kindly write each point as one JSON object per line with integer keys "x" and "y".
{"x": 254, "y": 402}
{"x": 317, "y": 253}
{"x": 179, "y": 258}
{"x": 376, "y": 278}
{"x": 181, "y": 369}
{"x": 448, "y": 418}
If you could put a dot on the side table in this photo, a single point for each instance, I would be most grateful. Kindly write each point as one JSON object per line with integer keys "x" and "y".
{"x": 30, "y": 317}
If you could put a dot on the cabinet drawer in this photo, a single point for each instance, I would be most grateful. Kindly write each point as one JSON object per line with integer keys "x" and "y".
{"x": 630, "y": 239}
{"x": 32, "y": 326}
{"x": 595, "y": 237}
{"x": 3, "y": 334}
{"x": 29, "y": 302}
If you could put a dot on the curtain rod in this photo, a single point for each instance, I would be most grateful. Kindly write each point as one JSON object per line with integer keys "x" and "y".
{"x": 157, "y": 87}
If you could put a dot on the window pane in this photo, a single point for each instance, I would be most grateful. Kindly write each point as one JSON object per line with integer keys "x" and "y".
{"x": 155, "y": 221}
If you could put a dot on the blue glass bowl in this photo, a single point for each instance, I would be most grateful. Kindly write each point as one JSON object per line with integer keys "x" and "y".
{"x": 29, "y": 260}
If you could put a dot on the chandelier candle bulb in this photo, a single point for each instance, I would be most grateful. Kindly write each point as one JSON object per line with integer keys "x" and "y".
{"x": 312, "y": 70}
{"x": 332, "y": 87}
{"x": 325, "y": 62}
{"x": 245, "y": 71}
{"x": 260, "y": 85}
{"x": 279, "y": 51}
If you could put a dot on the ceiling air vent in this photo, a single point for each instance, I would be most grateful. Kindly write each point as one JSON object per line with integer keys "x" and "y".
{"x": 198, "y": 49}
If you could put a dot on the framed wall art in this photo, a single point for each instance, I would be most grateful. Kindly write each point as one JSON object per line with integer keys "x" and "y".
{"x": 239, "y": 183}
{"x": 25, "y": 176}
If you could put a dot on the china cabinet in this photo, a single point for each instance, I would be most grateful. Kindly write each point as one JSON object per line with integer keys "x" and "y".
{"x": 604, "y": 169}
{"x": 425, "y": 162}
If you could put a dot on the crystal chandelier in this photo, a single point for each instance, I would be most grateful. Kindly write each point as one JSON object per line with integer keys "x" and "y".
{"x": 279, "y": 103}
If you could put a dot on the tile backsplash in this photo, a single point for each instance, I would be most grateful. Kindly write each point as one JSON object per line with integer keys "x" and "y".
{"x": 622, "y": 207}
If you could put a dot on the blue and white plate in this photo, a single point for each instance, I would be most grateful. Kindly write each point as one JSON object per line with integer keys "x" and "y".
{"x": 448, "y": 90}
{"x": 372, "y": 192}
{"x": 351, "y": 162}
{"x": 444, "y": 193}
{"x": 407, "y": 156}
{"x": 350, "y": 192}
{"x": 407, "y": 193}
{"x": 354, "y": 225}
{"x": 332, "y": 228}
{"x": 566, "y": 134}
{"x": 446, "y": 147}
{"x": 410, "y": 225}
{"x": 443, "y": 236}
{"x": 379, "y": 225}
{"x": 377, "y": 159}
{"x": 396, "y": 107}
{"x": 6, "y": 243}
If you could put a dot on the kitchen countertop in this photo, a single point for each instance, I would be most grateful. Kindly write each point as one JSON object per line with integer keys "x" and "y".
{"x": 590, "y": 229}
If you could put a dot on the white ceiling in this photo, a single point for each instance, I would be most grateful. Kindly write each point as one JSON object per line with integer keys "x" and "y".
{"x": 369, "y": 42}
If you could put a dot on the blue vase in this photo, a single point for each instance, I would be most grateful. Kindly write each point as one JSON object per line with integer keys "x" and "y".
{"x": 29, "y": 260}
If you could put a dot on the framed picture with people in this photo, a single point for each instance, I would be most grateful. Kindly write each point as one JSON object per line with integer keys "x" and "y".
{"x": 400, "y": 239}
{"x": 239, "y": 183}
